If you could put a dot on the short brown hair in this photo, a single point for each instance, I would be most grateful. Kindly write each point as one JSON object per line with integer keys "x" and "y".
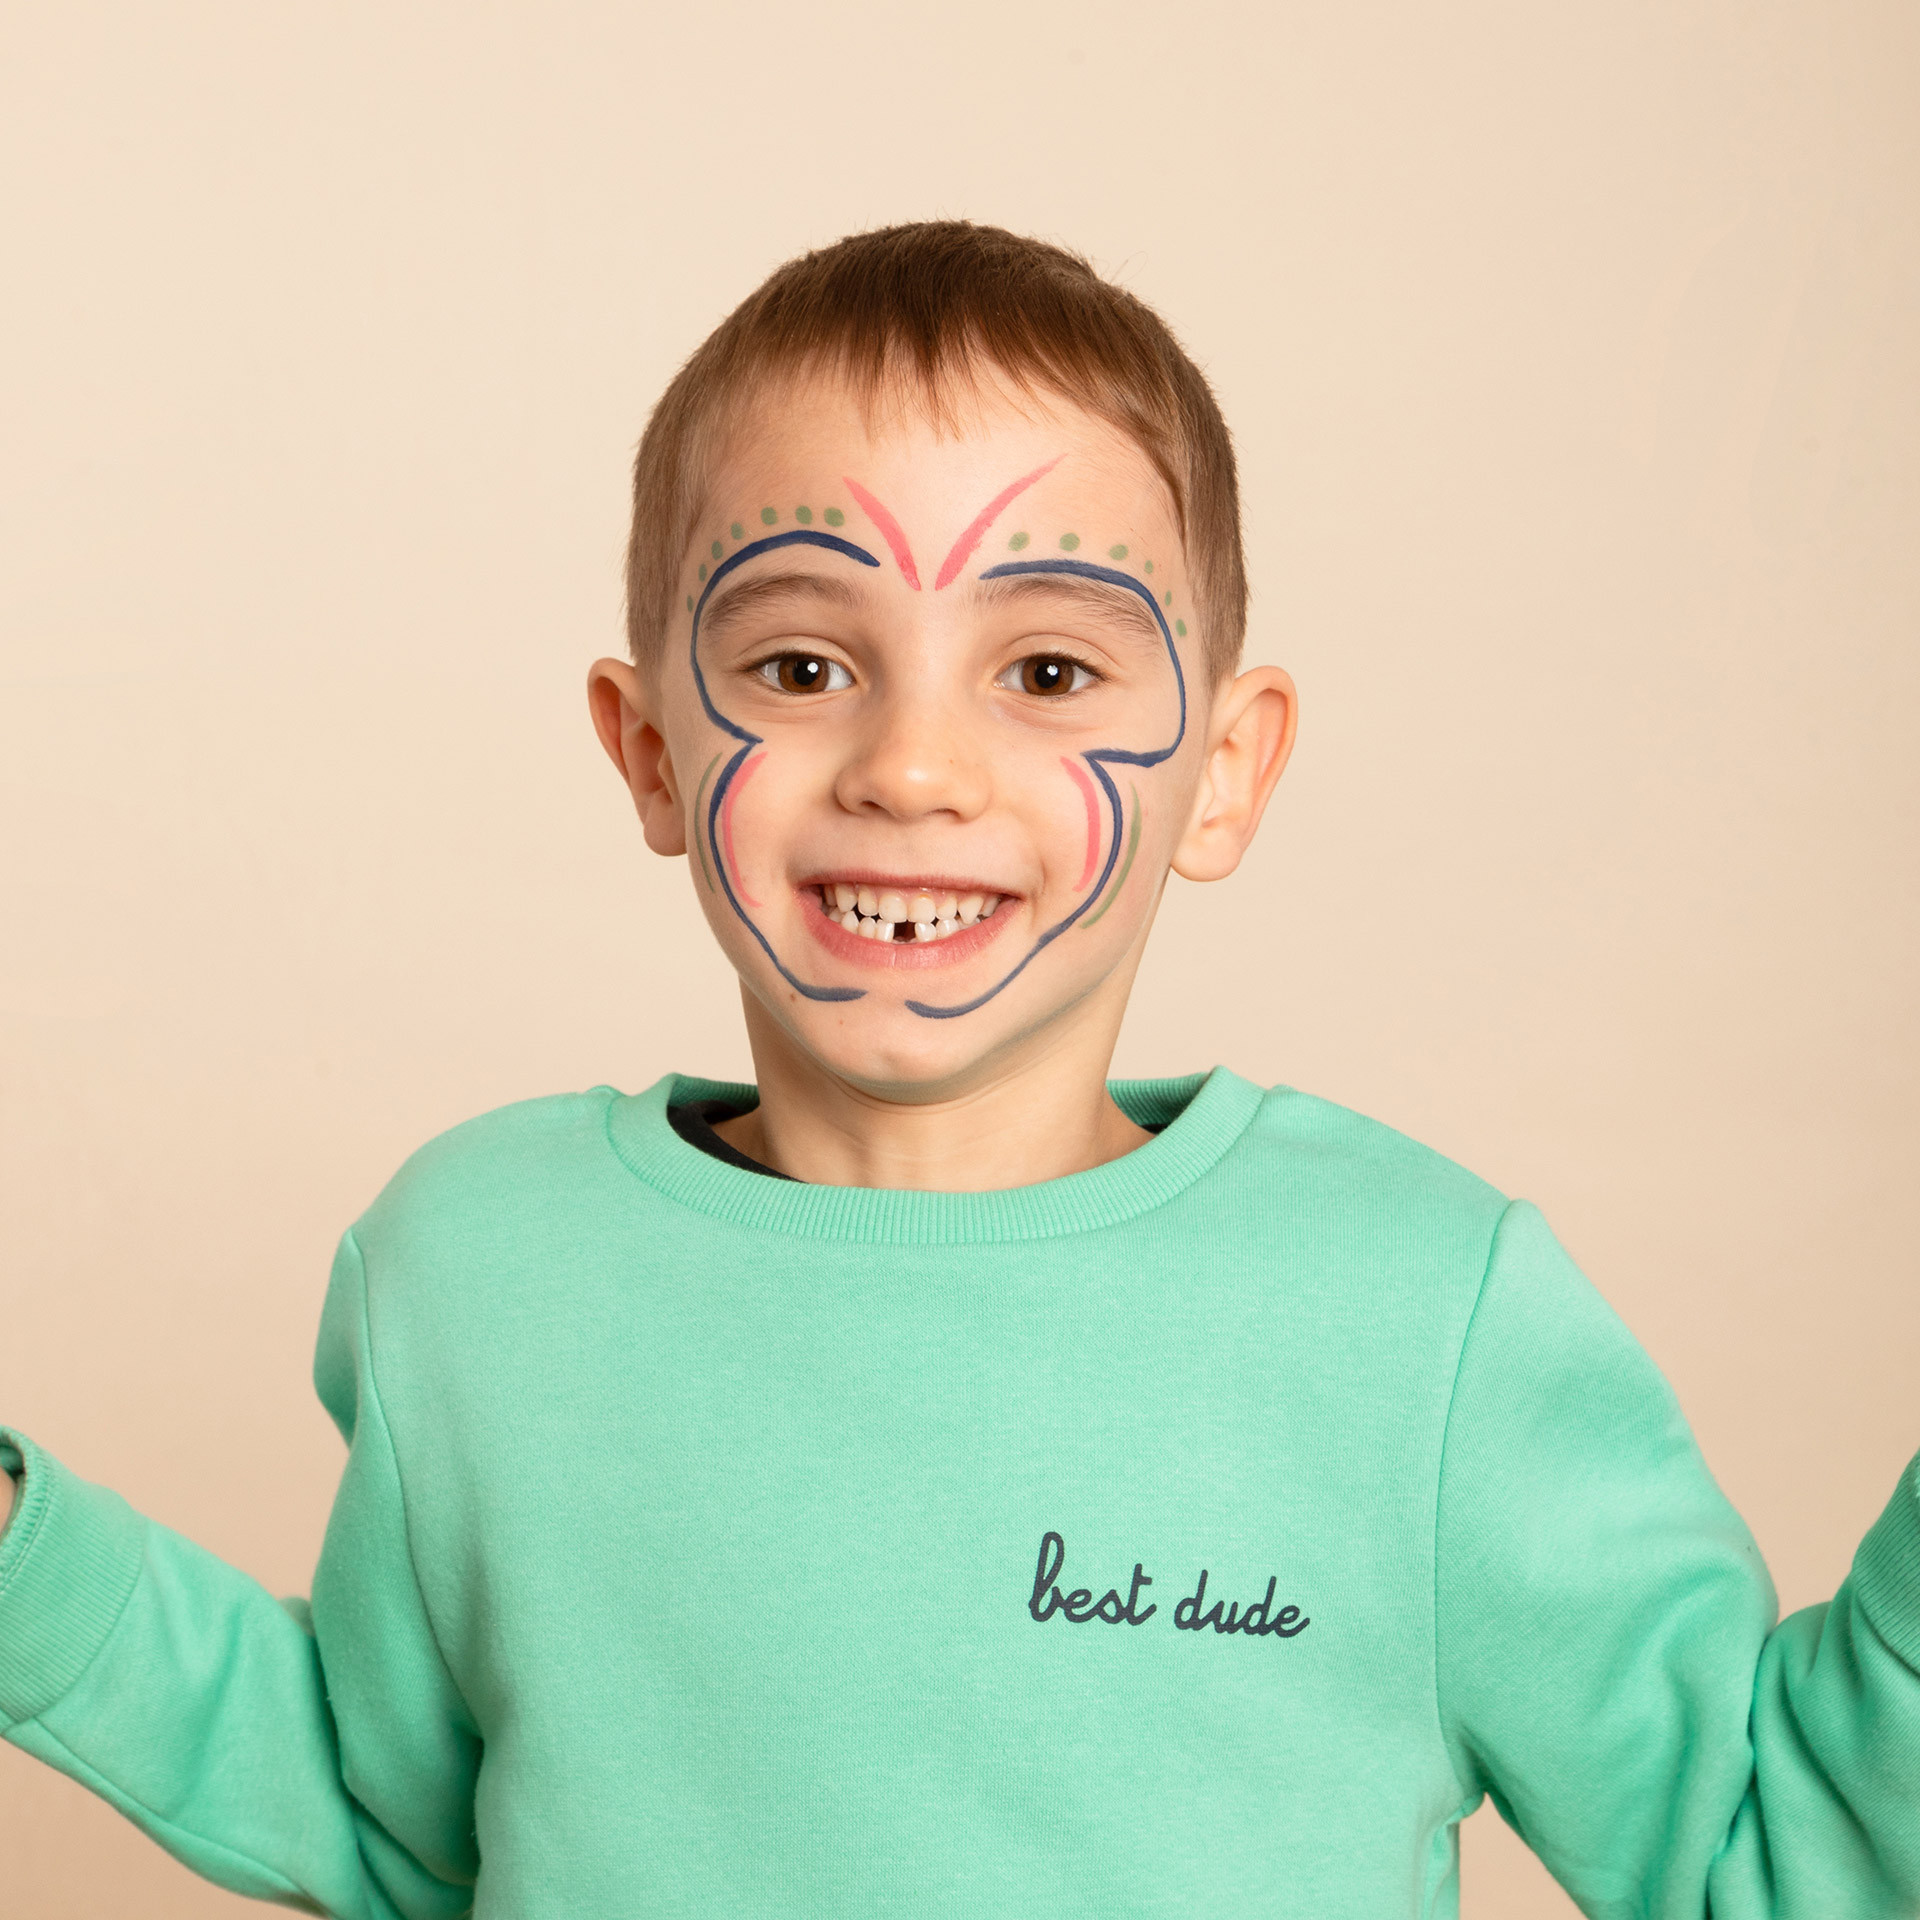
{"x": 925, "y": 307}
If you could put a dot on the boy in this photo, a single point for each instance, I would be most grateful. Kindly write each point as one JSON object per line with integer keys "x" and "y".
{"x": 933, "y": 1481}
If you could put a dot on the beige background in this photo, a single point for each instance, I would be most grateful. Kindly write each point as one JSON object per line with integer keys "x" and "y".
{"x": 1572, "y": 353}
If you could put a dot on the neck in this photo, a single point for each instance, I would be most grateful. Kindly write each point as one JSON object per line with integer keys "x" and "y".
{"x": 1038, "y": 1117}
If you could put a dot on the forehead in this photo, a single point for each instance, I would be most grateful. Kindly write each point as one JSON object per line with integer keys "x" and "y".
{"x": 805, "y": 436}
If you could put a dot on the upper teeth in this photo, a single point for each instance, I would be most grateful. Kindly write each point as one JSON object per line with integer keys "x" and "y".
{"x": 882, "y": 913}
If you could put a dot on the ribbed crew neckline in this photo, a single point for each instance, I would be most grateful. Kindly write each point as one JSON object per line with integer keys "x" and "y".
{"x": 1200, "y": 1115}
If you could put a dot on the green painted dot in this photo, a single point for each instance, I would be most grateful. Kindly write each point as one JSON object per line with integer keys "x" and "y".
{"x": 703, "y": 569}
{"x": 1169, "y": 596}
{"x": 1116, "y": 553}
{"x": 768, "y": 515}
{"x": 718, "y": 549}
{"x": 1068, "y": 541}
{"x": 804, "y": 515}
{"x": 738, "y": 531}
{"x": 1180, "y": 627}
{"x": 689, "y": 603}
{"x": 1149, "y": 566}
{"x": 835, "y": 518}
{"x": 1018, "y": 541}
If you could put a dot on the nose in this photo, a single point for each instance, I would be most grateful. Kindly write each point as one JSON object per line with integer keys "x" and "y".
{"x": 916, "y": 758}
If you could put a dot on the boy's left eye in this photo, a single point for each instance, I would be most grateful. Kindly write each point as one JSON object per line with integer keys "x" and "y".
{"x": 1047, "y": 674}
{"x": 804, "y": 673}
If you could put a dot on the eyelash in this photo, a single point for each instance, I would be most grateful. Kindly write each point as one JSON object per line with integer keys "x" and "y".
{"x": 1085, "y": 673}
{"x": 769, "y": 671}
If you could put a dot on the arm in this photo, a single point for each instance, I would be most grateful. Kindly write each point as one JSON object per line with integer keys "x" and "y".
{"x": 322, "y": 1760}
{"x": 1608, "y": 1664}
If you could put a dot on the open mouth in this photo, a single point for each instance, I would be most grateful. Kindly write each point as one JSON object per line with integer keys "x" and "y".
{"x": 886, "y": 913}
{"x": 885, "y": 923}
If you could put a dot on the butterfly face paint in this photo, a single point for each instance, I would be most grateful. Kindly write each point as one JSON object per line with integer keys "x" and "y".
{"x": 975, "y": 782}
{"x": 1097, "y": 760}
{"x": 717, "y": 851}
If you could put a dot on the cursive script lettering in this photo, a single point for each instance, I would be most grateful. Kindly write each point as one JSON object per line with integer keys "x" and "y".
{"x": 1079, "y": 1606}
{"x": 1223, "y": 1618}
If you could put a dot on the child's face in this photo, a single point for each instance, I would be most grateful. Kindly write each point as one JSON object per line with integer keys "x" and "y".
{"x": 934, "y": 716}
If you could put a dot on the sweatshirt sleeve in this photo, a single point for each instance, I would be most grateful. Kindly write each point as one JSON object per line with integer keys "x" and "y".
{"x": 319, "y": 1757}
{"x": 1608, "y": 1665}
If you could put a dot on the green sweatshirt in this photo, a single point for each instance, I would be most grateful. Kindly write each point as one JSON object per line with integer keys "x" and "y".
{"x": 1204, "y": 1534}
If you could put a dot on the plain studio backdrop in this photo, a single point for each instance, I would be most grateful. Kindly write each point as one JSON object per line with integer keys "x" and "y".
{"x": 1572, "y": 355}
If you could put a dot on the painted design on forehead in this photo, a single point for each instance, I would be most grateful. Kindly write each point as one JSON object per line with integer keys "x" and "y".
{"x": 963, "y": 548}
{"x": 769, "y": 517}
{"x": 1095, "y": 761}
{"x": 889, "y": 530}
{"x": 714, "y": 833}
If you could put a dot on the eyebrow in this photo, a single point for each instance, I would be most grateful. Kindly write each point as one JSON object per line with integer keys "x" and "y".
{"x": 1130, "y": 607}
{"x": 738, "y": 599}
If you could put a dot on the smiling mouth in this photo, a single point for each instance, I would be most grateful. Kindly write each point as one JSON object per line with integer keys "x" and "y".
{"x": 924, "y": 916}
{"x": 878, "y": 925}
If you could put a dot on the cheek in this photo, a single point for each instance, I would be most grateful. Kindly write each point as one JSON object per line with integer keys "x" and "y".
{"x": 1095, "y": 813}
{"x": 744, "y": 838}
{"x": 1124, "y": 882}
{"x": 736, "y": 824}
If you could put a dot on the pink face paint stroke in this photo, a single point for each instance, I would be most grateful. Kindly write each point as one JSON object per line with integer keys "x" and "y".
{"x": 1092, "y": 799}
{"x": 740, "y": 779}
{"x": 964, "y": 546}
{"x": 1097, "y": 760}
{"x": 890, "y": 532}
{"x": 748, "y": 739}
{"x": 1126, "y": 866}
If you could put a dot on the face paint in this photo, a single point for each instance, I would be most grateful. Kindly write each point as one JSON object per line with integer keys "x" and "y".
{"x": 1113, "y": 826}
{"x": 890, "y": 532}
{"x": 1092, "y": 799}
{"x": 718, "y": 825}
{"x": 963, "y": 547}
{"x": 1096, "y": 760}
{"x": 1126, "y": 865}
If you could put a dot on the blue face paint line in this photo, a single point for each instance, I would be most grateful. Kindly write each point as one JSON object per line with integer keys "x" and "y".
{"x": 1097, "y": 759}
{"x": 800, "y": 537}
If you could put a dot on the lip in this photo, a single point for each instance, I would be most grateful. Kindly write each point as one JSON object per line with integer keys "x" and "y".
{"x": 915, "y": 955}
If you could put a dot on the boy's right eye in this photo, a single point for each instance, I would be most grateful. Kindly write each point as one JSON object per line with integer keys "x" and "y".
{"x": 804, "y": 673}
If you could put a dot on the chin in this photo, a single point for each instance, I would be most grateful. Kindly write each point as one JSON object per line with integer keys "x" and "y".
{"x": 901, "y": 1057}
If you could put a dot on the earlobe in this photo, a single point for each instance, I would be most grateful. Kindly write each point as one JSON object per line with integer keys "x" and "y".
{"x": 1250, "y": 740}
{"x": 622, "y": 712}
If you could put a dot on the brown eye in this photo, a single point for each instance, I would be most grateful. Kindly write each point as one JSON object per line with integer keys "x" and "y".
{"x": 804, "y": 673}
{"x": 1046, "y": 674}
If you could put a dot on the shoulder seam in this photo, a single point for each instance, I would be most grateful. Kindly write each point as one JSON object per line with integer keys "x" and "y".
{"x": 399, "y": 1477}
{"x": 1440, "y": 1479}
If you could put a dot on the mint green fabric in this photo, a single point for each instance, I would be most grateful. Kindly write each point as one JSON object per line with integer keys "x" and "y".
{"x": 715, "y": 1545}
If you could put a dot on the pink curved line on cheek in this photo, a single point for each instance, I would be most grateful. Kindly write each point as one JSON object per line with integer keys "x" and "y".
{"x": 1093, "y": 818}
{"x": 964, "y": 546}
{"x": 889, "y": 532}
{"x": 740, "y": 779}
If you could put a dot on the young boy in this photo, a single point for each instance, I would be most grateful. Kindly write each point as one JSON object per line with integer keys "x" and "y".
{"x": 936, "y": 1481}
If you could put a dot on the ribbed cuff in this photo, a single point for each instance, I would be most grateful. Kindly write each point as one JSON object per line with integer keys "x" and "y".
{"x": 1886, "y": 1570}
{"x": 68, "y": 1560}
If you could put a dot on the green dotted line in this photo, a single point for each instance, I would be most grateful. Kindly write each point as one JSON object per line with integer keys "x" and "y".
{"x": 769, "y": 517}
{"x": 1070, "y": 542}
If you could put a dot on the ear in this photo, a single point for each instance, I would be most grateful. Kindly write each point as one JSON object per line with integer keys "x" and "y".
{"x": 1248, "y": 741}
{"x": 624, "y": 717}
